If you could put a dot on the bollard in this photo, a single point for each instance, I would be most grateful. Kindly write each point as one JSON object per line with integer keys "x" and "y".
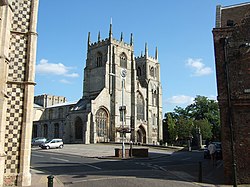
{"x": 200, "y": 172}
{"x": 131, "y": 148}
{"x": 50, "y": 180}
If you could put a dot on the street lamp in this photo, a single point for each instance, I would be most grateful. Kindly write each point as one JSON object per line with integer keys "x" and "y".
{"x": 123, "y": 109}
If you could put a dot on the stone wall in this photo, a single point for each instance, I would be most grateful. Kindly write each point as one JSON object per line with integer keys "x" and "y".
{"x": 18, "y": 39}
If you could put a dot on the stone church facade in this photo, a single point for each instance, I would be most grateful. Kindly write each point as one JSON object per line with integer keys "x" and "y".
{"x": 232, "y": 56}
{"x": 97, "y": 116}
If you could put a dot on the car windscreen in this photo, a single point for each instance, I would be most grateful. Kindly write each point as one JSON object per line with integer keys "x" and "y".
{"x": 47, "y": 141}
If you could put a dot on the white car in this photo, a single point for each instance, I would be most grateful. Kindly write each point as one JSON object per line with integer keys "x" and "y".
{"x": 52, "y": 143}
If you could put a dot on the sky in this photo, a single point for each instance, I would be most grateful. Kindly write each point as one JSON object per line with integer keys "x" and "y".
{"x": 180, "y": 29}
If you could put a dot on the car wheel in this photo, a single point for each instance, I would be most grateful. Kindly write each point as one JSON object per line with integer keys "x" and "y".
{"x": 61, "y": 146}
{"x": 47, "y": 147}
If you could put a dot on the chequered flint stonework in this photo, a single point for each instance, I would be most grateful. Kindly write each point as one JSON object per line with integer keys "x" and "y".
{"x": 21, "y": 18}
{"x": 14, "y": 118}
{"x": 15, "y": 86}
{"x": 18, "y": 56}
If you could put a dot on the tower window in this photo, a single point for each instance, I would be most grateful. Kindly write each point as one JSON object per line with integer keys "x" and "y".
{"x": 152, "y": 71}
{"x": 139, "y": 71}
{"x": 154, "y": 98}
{"x": 99, "y": 59}
{"x": 140, "y": 107}
{"x": 123, "y": 60}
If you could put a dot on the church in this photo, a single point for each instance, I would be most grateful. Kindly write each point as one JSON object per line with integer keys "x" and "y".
{"x": 121, "y": 99}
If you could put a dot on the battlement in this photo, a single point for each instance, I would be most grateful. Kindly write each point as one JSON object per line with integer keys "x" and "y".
{"x": 143, "y": 57}
{"x": 121, "y": 43}
{"x": 99, "y": 43}
{"x": 107, "y": 41}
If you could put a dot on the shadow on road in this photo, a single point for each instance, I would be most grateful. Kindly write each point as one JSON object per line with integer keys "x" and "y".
{"x": 157, "y": 167}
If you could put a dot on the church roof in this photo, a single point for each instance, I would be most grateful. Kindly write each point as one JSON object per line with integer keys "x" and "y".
{"x": 62, "y": 104}
{"x": 37, "y": 106}
{"x": 80, "y": 105}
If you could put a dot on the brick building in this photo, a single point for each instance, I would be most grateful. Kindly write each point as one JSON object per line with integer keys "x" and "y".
{"x": 232, "y": 58}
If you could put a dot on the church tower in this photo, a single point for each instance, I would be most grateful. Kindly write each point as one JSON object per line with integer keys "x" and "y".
{"x": 116, "y": 82}
{"x": 102, "y": 80}
{"x": 148, "y": 74}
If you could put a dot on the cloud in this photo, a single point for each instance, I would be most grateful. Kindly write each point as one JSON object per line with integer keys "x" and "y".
{"x": 212, "y": 97}
{"x": 64, "y": 81}
{"x": 199, "y": 67}
{"x": 44, "y": 67}
{"x": 180, "y": 99}
{"x": 73, "y": 75}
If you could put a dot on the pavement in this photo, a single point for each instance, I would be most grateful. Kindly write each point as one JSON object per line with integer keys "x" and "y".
{"x": 106, "y": 151}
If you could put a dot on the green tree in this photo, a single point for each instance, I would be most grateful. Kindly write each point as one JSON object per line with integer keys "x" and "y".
{"x": 205, "y": 128}
{"x": 204, "y": 108}
{"x": 184, "y": 127}
{"x": 203, "y": 111}
{"x": 171, "y": 128}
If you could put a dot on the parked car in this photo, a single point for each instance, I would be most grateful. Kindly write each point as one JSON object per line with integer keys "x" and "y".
{"x": 37, "y": 141}
{"x": 218, "y": 152}
{"x": 52, "y": 143}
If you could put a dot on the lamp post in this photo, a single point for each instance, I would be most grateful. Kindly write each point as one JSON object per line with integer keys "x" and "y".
{"x": 122, "y": 109}
{"x": 229, "y": 113}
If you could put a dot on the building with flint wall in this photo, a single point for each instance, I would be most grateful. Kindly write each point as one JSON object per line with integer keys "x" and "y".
{"x": 18, "y": 20}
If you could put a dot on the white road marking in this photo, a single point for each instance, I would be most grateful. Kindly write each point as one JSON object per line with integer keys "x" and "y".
{"x": 37, "y": 155}
{"x": 59, "y": 159}
{"x": 91, "y": 166}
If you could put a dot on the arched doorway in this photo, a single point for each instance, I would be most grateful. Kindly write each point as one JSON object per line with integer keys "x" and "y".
{"x": 102, "y": 127}
{"x": 56, "y": 130}
{"x": 141, "y": 135}
{"x": 78, "y": 129}
{"x": 45, "y": 130}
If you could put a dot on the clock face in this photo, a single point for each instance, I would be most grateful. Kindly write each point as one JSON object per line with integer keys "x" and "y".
{"x": 123, "y": 73}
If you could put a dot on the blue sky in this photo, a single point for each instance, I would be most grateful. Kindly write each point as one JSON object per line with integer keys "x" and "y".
{"x": 181, "y": 29}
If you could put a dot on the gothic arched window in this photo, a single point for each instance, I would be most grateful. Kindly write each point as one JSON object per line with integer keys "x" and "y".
{"x": 78, "y": 128}
{"x": 56, "y": 130}
{"x": 123, "y": 60}
{"x": 140, "y": 107}
{"x": 152, "y": 71}
{"x": 45, "y": 130}
{"x": 99, "y": 59}
{"x": 154, "y": 98}
{"x": 60, "y": 112}
{"x": 50, "y": 113}
{"x": 155, "y": 72}
{"x": 102, "y": 123}
{"x": 153, "y": 119}
{"x": 138, "y": 71}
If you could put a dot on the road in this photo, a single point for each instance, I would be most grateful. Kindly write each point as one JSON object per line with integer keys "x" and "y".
{"x": 74, "y": 168}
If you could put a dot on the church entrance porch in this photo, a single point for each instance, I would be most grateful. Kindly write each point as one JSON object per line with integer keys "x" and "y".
{"x": 141, "y": 135}
{"x": 78, "y": 130}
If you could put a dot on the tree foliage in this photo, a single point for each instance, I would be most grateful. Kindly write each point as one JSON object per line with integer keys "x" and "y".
{"x": 171, "y": 128}
{"x": 203, "y": 114}
{"x": 205, "y": 128}
{"x": 184, "y": 128}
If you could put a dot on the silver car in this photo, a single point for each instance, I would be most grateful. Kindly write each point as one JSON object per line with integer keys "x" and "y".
{"x": 37, "y": 141}
{"x": 52, "y": 143}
